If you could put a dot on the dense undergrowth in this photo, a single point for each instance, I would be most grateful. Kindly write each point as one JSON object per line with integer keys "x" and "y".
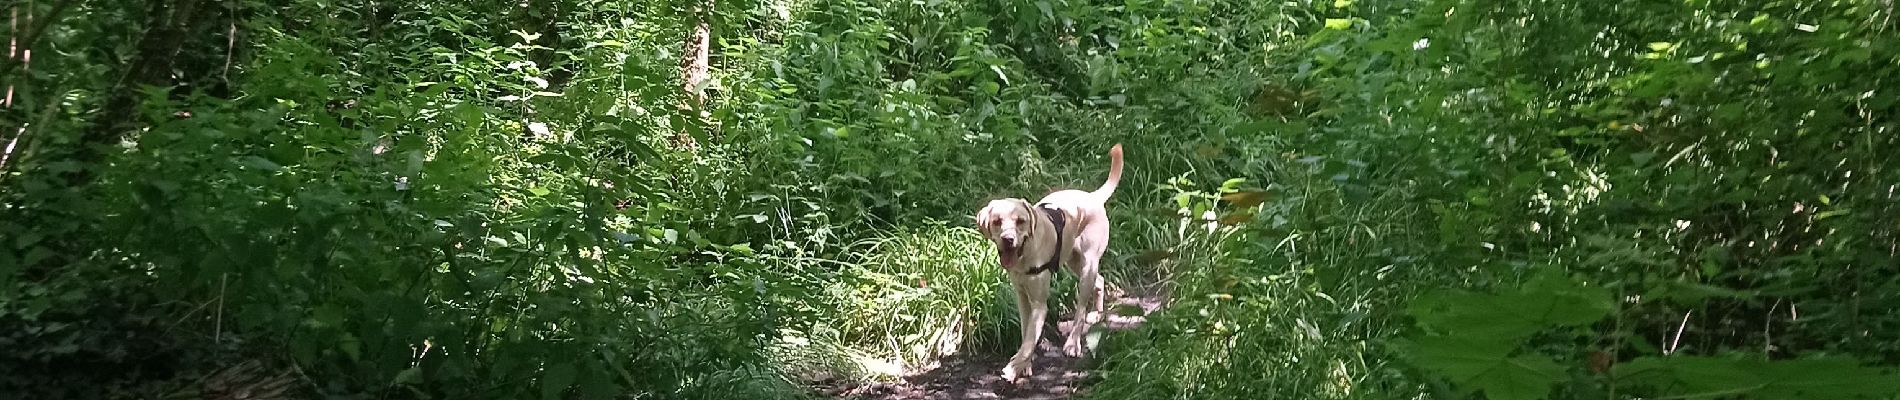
{"x": 1414, "y": 199}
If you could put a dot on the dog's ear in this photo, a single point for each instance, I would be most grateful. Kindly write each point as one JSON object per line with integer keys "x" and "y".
{"x": 983, "y": 222}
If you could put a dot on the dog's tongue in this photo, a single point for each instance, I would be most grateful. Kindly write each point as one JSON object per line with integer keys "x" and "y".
{"x": 1007, "y": 256}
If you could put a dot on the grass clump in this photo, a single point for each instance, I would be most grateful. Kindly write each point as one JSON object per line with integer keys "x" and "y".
{"x": 915, "y": 295}
{"x": 928, "y": 292}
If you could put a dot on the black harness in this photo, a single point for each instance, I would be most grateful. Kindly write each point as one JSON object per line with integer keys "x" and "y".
{"x": 1055, "y": 260}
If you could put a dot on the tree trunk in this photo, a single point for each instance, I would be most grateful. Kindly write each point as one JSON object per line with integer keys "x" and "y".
{"x": 157, "y": 53}
{"x": 695, "y": 70}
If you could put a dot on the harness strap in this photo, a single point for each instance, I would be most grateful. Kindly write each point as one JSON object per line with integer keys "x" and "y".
{"x": 1055, "y": 260}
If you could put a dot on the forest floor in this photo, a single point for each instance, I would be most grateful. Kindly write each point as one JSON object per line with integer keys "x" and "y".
{"x": 974, "y": 376}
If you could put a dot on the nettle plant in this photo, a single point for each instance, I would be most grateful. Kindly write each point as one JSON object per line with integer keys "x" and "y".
{"x": 1557, "y": 332}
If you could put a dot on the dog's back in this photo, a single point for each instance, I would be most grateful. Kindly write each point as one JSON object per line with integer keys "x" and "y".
{"x": 1100, "y": 196}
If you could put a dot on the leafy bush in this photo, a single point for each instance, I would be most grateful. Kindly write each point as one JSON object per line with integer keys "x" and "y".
{"x": 1613, "y": 142}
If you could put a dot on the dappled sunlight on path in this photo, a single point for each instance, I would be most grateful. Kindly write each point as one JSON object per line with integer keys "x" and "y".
{"x": 975, "y": 376}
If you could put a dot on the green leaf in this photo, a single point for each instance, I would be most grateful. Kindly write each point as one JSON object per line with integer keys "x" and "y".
{"x": 1549, "y": 300}
{"x": 556, "y": 380}
{"x": 259, "y": 163}
{"x": 1691, "y": 293}
{"x": 1566, "y": 301}
{"x": 1825, "y": 378}
{"x": 409, "y": 375}
{"x": 352, "y": 347}
{"x": 27, "y": 239}
{"x": 1244, "y": 199}
{"x": 1230, "y": 185}
{"x": 1475, "y": 363}
{"x": 539, "y": 191}
{"x": 1520, "y": 378}
{"x": 1697, "y": 376}
{"x": 1458, "y": 358}
{"x": 1338, "y": 23}
{"x": 598, "y": 385}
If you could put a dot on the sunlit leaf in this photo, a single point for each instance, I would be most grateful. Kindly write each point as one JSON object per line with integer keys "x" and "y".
{"x": 1245, "y": 199}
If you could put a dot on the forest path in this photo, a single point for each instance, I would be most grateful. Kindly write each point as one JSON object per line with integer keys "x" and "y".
{"x": 976, "y": 376}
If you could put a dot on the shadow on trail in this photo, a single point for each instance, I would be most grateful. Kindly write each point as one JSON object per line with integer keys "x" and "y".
{"x": 976, "y": 376}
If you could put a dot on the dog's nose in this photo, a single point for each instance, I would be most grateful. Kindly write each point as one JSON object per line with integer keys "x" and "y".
{"x": 1009, "y": 241}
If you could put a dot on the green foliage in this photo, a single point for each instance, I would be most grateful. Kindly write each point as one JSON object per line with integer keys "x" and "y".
{"x": 1829, "y": 378}
{"x": 1477, "y": 334}
{"x": 414, "y": 212}
{"x": 1480, "y": 342}
{"x": 1414, "y": 145}
{"x": 1547, "y": 300}
{"x": 1537, "y": 199}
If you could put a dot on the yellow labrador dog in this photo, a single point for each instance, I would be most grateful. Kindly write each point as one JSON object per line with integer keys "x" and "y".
{"x": 1067, "y": 228}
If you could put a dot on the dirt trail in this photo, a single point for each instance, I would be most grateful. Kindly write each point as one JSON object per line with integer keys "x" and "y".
{"x": 975, "y": 376}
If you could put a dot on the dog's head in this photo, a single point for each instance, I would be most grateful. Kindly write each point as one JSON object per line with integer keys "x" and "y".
{"x": 1009, "y": 224}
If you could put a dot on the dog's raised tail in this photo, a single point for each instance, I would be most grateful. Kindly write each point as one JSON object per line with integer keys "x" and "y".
{"x": 1114, "y": 173}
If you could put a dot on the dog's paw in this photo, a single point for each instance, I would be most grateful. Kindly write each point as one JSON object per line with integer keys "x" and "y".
{"x": 1018, "y": 369}
{"x": 1074, "y": 348}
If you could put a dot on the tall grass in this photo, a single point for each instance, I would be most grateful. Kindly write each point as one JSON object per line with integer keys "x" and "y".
{"x": 916, "y": 295}
{"x": 1296, "y": 306}
{"x": 928, "y": 292}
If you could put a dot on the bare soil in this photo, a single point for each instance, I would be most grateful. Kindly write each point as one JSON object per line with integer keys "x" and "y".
{"x": 978, "y": 376}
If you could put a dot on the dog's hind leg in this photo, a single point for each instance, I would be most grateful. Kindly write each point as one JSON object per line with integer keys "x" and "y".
{"x": 1088, "y": 300}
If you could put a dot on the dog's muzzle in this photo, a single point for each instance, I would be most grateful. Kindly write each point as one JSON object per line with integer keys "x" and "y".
{"x": 1008, "y": 252}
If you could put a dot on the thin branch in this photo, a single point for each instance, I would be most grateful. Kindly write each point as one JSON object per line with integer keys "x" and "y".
{"x": 13, "y": 49}
{"x": 1679, "y": 328}
{"x": 1768, "y": 337}
{"x": 26, "y": 44}
{"x": 230, "y": 48}
{"x": 217, "y": 321}
{"x": 6, "y": 155}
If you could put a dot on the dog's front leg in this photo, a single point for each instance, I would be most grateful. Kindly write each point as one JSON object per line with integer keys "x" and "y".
{"x": 1032, "y": 308}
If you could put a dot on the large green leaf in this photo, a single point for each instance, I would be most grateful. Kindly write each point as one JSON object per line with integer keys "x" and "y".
{"x": 1549, "y": 300}
{"x": 1698, "y": 376}
{"x": 1474, "y": 363}
{"x": 1825, "y": 378}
